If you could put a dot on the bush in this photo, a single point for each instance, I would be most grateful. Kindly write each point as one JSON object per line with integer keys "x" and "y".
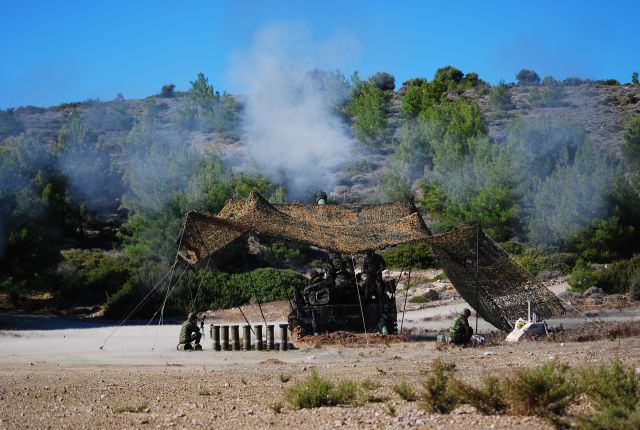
{"x": 500, "y": 97}
{"x": 490, "y": 399}
{"x": 368, "y": 109}
{"x": 545, "y": 391}
{"x": 383, "y": 80}
{"x": 92, "y": 275}
{"x": 614, "y": 394}
{"x": 419, "y": 255}
{"x": 609, "y": 82}
{"x": 316, "y": 392}
{"x": 573, "y": 81}
{"x": 167, "y": 91}
{"x": 405, "y": 391}
{"x": 266, "y": 283}
{"x": 448, "y": 75}
{"x": 437, "y": 394}
{"x": 615, "y": 279}
{"x": 527, "y": 77}
{"x": 539, "y": 259}
{"x": 634, "y": 78}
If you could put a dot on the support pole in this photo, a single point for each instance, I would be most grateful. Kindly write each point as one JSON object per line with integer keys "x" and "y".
{"x": 406, "y": 294}
{"x": 477, "y": 269}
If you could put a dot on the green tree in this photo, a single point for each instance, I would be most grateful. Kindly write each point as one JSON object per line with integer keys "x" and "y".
{"x": 527, "y": 77}
{"x": 449, "y": 75}
{"x": 634, "y": 78}
{"x": 368, "y": 110}
{"x": 167, "y": 91}
{"x": 500, "y": 97}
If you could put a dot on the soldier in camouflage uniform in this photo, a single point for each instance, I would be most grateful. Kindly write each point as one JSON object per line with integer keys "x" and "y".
{"x": 460, "y": 330}
{"x": 190, "y": 332}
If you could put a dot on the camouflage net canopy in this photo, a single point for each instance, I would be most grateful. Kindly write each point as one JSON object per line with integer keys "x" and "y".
{"x": 482, "y": 272}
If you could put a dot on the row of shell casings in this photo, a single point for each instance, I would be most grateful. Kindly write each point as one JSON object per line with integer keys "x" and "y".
{"x": 227, "y": 337}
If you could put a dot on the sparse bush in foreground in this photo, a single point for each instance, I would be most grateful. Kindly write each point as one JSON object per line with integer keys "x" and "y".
{"x": 545, "y": 391}
{"x": 437, "y": 395}
{"x": 405, "y": 391}
{"x": 614, "y": 393}
{"x": 490, "y": 399}
{"x": 133, "y": 409}
{"x": 316, "y": 392}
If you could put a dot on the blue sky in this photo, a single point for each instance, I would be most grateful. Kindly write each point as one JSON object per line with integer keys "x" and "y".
{"x": 63, "y": 51}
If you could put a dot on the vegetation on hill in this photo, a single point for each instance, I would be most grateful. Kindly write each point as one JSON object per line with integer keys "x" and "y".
{"x": 118, "y": 176}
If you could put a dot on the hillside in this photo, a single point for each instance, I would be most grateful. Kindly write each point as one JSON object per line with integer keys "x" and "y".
{"x": 540, "y": 165}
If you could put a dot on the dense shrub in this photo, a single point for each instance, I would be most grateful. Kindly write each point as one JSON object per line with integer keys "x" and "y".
{"x": 545, "y": 391}
{"x": 538, "y": 259}
{"x": 527, "y": 77}
{"x": 448, "y": 75}
{"x": 438, "y": 394}
{"x": 500, "y": 97}
{"x": 616, "y": 278}
{"x": 418, "y": 255}
{"x": 91, "y": 275}
{"x": 634, "y": 78}
{"x": 267, "y": 283}
{"x": 614, "y": 394}
{"x": 405, "y": 391}
{"x": 383, "y": 80}
{"x": 167, "y": 91}
{"x": 316, "y": 392}
{"x": 368, "y": 108}
{"x": 549, "y": 94}
{"x": 199, "y": 290}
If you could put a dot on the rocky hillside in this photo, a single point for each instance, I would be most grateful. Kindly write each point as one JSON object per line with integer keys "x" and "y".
{"x": 605, "y": 111}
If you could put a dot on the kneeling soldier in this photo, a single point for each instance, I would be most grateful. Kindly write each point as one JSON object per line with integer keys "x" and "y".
{"x": 190, "y": 333}
{"x": 460, "y": 330}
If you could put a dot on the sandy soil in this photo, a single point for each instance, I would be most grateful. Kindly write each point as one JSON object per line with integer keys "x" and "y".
{"x": 53, "y": 374}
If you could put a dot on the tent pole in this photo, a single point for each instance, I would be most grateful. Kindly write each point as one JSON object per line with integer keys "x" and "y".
{"x": 406, "y": 292}
{"x": 477, "y": 266}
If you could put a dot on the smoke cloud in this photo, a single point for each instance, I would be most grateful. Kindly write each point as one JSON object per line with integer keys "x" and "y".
{"x": 290, "y": 124}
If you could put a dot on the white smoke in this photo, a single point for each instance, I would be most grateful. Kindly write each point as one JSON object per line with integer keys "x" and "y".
{"x": 290, "y": 124}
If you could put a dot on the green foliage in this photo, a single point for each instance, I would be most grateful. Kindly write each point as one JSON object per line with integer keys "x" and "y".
{"x": 527, "y": 77}
{"x": 206, "y": 109}
{"x": 418, "y": 255}
{"x": 368, "y": 109}
{"x": 537, "y": 259}
{"x": 545, "y": 391}
{"x": 437, "y": 395}
{"x": 449, "y": 75}
{"x": 86, "y": 276}
{"x": 383, "y": 80}
{"x": 489, "y": 399}
{"x": 609, "y": 82}
{"x": 614, "y": 394}
{"x": 132, "y": 409}
{"x": 316, "y": 392}
{"x": 634, "y": 78}
{"x": 267, "y": 283}
{"x": 405, "y": 391}
{"x": 500, "y": 97}
{"x": 167, "y": 91}
{"x": 550, "y": 94}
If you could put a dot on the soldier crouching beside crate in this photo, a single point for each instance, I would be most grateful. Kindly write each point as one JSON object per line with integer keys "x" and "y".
{"x": 190, "y": 332}
{"x": 460, "y": 330}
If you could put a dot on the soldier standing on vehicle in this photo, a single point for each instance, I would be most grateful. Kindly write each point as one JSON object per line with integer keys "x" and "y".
{"x": 190, "y": 332}
{"x": 460, "y": 330}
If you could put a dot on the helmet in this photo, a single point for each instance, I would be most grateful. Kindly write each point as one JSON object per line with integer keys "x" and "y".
{"x": 466, "y": 312}
{"x": 191, "y": 317}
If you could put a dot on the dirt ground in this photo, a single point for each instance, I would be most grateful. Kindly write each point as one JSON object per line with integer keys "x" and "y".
{"x": 61, "y": 379}
{"x": 88, "y": 373}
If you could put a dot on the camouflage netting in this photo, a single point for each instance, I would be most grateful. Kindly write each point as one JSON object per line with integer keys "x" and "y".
{"x": 493, "y": 284}
{"x": 498, "y": 290}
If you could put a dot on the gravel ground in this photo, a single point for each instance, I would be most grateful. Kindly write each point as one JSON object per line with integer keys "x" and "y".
{"x": 237, "y": 389}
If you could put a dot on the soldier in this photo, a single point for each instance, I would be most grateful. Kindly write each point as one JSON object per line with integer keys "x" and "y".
{"x": 372, "y": 267}
{"x": 460, "y": 330}
{"x": 190, "y": 333}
